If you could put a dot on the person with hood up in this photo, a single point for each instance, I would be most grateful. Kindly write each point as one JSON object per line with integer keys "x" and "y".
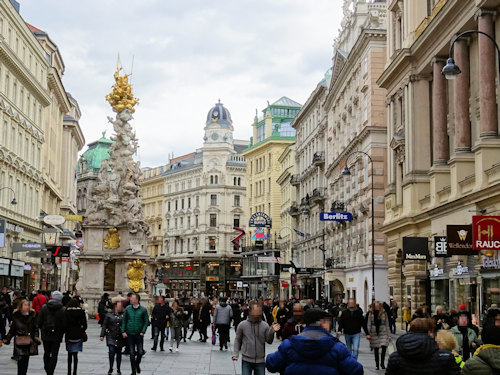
{"x": 465, "y": 335}
{"x": 251, "y": 337}
{"x": 51, "y": 324}
{"x": 419, "y": 354}
{"x": 314, "y": 351}
{"x": 486, "y": 359}
{"x": 222, "y": 318}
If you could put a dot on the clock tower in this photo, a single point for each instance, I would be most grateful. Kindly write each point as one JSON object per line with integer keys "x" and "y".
{"x": 219, "y": 127}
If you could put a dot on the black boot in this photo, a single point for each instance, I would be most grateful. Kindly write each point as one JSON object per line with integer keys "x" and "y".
{"x": 375, "y": 350}
{"x": 382, "y": 364}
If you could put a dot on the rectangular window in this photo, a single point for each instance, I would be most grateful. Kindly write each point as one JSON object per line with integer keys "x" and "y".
{"x": 237, "y": 201}
{"x": 236, "y": 221}
{"x": 196, "y": 221}
{"x": 213, "y": 220}
{"x": 211, "y": 242}
{"x": 175, "y": 223}
{"x": 176, "y": 204}
{"x": 189, "y": 222}
{"x": 189, "y": 202}
{"x": 182, "y": 203}
{"x": 213, "y": 200}
{"x": 197, "y": 201}
{"x": 168, "y": 206}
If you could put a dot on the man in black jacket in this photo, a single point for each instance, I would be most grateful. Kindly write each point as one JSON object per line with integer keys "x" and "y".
{"x": 350, "y": 322}
{"x": 51, "y": 324}
{"x": 159, "y": 317}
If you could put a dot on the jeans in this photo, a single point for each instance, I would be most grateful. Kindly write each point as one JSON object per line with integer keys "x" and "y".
{"x": 158, "y": 331}
{"x": 22, "y": 364}
{"x": 257, "y": 368}
{"x": 175, "y": 335}
{"x": 223, "y": 334}
{"x": 135, "y": 347}
{"x": 392, "y": 325}
{"x": 352, "y": 343}
{"x": 50, "y": 353}
{"x": 115, "y": 351}
{"x": 185, "y": 327}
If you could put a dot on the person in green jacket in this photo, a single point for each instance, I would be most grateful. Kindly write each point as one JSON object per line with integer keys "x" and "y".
{"x": 134, "y": 324}
{"x": 466, "y": 336}
{"x": 486, "y": 360}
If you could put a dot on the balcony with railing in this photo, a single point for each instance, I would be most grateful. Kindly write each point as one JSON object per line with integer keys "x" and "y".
{"x": 318, "y": 195}
{"x": 294, "y": 210}
{"x": 319, "y": 158}
{"x": 295, "y": 180}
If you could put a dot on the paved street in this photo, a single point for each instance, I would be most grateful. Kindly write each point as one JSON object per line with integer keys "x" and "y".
{"x": 193, "y": 358}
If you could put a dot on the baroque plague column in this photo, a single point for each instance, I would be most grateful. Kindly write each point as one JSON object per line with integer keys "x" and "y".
{"x": 115, "y": 233}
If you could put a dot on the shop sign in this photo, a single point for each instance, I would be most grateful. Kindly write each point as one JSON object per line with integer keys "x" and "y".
{"x": 212, "y": 278}
{"x": 415, "y": 248}
{"x": 269, "y": 259}
{"x": 440, "y": 246}
{"x": 22, "y": 247}
{"x": 239, "y": 284}
{"x": 303, "y": 271}
{"x": 491, "y": 263}
{"x": 486, "y": 232}
{"x": 17, "y": 268}
{"x": 4, "y": 267}
{"x": 259, "y": 220}
{"x": 54, "y": 220}
{"x": 286, "y": 267}
{"x": 73, "y": 217}
{"x": 460, "y": 270}
{"x": 14, "y": 228}
{"x": 335, "y": 216}
{"x": 284, "y": 284}
{"x": 436, "y": 271}
{"x": 2, "y": 232}
{"x": 460, "y": 240}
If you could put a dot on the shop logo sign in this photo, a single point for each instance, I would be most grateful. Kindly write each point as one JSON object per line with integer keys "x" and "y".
{"x": 440, "y": 246}
{"x": 460, "y": 270}
{"x": 491, "y": 263}
{"x": 460, "y": 240}
{"x": 415, "y": 248}
{"x": 486, "y": 234}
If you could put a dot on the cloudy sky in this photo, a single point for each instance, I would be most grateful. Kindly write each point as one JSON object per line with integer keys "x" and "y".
{"x": 186, "y": 55}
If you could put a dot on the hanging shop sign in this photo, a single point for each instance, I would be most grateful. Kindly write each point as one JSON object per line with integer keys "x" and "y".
{"x": 460, "y": 240}
{"x": 486, "y": 232}
{"x": 269, "y": 260}
{"x": 335, "y": 216}
{"x": 436, "y": 271}
{"x": 22, "y": 247}
{"x": 259, "y": 220}
{"x": 491, "y": 263}
{"x": 73, "y": 217}
{"x": 54, "y": 220}
{"x": 460, "y": 270}
{"x": 416, "y": 248}
{"x": 4, "y": 267}
{"x": 440, "y": 247}
{"x": 2, "y": 232}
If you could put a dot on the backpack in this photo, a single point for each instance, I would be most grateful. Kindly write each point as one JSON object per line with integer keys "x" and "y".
{"x": 50, "y": 323}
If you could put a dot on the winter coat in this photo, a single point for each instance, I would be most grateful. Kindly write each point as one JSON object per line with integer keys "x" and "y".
{"x": 351, "y": 322}
{"x": 419, "y": 354}
{"x": 176, "y": 317}
{"x": 314, "y": 351}
{"x": 111, "y": 329}
{"x": 103, "y": 308}
{"x": 251, "y": 338}
{"x": 291, "y": 328}
{"x": 471, "y": 334}
{"x": 205, "y": 315}
{"x": 223, "y": 314}
{"x": 75, "y": 323}
{"x": 382, "y": 338}
{"x": 486, "y": 361}
{"x": 38, "y": 302}
{"x": 51, "y": 321}
{"x": 282, "y": 316}
{"x": 160, "y": 315}
{"x": 135, "y": 321}
{"x": 196, "y": 318}
{"x": 23, "y": 325}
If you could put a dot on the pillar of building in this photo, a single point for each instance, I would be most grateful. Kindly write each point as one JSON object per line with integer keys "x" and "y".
{"x": 441, "y": 149}
{"x": 487, "y": 75}
{"x": 461, "y": 103}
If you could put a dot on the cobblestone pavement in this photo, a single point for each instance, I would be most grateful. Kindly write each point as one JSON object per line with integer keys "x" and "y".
{"x": 193, "y": 358}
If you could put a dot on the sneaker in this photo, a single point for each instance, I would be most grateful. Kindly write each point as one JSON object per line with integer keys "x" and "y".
{"x": 177, "y": 350}
{"x": 171, "y": 349}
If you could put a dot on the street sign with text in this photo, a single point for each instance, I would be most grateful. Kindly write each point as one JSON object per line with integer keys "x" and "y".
{"x": 18, "y": 247}
{"x": 335, "y": 216}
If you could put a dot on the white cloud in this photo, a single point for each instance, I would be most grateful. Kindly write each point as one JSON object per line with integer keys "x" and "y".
{"x": 187, "y": 54}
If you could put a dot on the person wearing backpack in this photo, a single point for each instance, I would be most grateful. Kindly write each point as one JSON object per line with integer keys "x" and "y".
{"x": 38, "y": 302}
{"x": 51, "y": 324}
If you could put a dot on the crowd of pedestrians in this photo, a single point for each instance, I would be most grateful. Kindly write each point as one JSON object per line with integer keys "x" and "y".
{"x": 444, "y": 343}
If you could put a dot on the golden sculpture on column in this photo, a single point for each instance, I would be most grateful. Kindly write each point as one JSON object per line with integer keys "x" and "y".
{"x": 112, "y": 239}
{"x": 135, "y": 274}
{"x": 122, "y": 96}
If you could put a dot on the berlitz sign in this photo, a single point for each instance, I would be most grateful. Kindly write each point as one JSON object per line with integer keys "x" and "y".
{"x": 486, "y": 232}
{"x": 335, "y": 216}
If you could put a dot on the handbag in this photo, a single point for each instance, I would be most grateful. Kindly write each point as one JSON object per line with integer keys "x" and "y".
{"x": 85, "y": 337}
{"x": 23, "y": 340}
{"x": 214, "y": 335}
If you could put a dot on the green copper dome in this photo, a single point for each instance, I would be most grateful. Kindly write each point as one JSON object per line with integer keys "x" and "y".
{"x": 97, "y": 152}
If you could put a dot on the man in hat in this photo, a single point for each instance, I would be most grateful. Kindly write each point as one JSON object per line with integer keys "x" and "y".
{"x": 314, "y": 351}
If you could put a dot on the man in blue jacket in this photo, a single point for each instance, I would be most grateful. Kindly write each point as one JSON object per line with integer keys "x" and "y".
{"x": 314, "y": 351}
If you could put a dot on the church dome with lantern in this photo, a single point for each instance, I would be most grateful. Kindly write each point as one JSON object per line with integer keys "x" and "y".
{"x": 219, "y": 115}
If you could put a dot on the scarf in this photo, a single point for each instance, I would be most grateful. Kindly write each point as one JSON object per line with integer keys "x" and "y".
{"x": 465, "y": 342}
{"x": 377, "y": 320}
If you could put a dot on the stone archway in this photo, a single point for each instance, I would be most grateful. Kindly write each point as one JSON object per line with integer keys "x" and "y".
{"x": 337, "y": 291}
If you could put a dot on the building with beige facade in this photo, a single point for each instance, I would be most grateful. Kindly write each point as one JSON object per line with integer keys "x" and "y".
{"x": 272, "y": 134}
{"x": 286, "y": 235}
{"x": 443, "y": 147}
{"x": 310, "y": 182}
{"x": 33, "y": 141}
{"x": 356, "y": 124}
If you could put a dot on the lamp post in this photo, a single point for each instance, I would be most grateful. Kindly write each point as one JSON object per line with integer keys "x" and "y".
{"x": 14, "y": 201}
{"x": 451, "y": 70}
{"x": 347, "y": 172}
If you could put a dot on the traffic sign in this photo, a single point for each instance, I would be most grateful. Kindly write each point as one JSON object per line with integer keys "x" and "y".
{"x": 79, "y": 243}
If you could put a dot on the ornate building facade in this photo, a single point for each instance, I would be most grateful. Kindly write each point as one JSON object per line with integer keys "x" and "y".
{"x": 204, "y": 199}
{"x": 444, "y": 144}
{"x": 355, "y": 111}
{"x": 272, "y": 134}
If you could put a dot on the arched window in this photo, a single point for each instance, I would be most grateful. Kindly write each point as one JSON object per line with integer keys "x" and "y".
{"x": 239, "y": 181}
{"x": 211, "y": 180}
{"x": 216, "y": 180}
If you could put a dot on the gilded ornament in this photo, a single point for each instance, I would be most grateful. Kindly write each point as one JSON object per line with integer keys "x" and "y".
{"x": 122, "y": 96}
{"x": 135, "y": 275}
{"x": 112, "y": 239}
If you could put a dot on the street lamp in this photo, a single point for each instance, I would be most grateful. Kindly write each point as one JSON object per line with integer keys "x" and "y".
{"x": 347, "y": 172}
{"x": 14, "y": 201}
{"x": 451, "y": 70}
